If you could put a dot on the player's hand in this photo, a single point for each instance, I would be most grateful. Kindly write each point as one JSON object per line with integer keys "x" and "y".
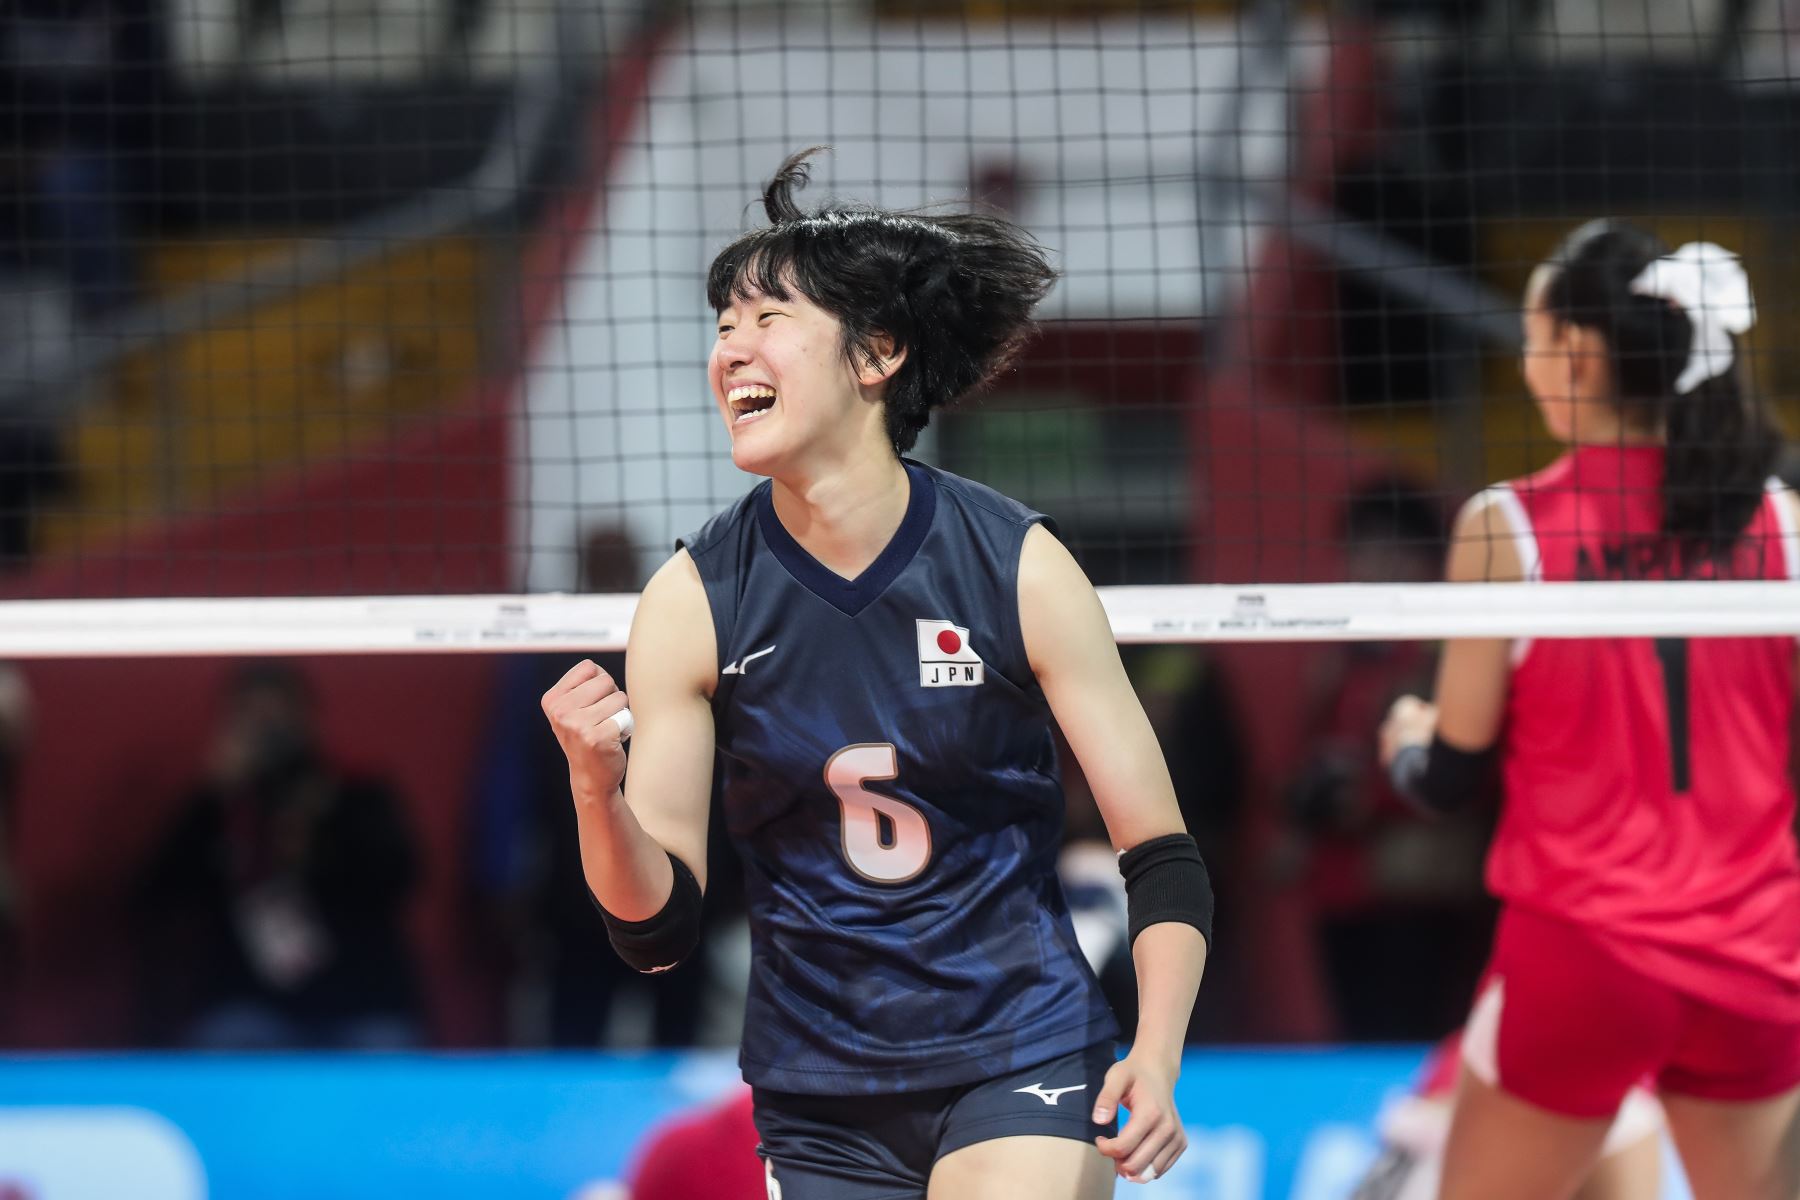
{"x": 1410, "y": 722}
{"x": 1152, "y": 1139}
{"x": 582, "y": 708}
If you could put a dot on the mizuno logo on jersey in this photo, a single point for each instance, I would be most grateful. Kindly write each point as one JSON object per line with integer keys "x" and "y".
{"x": 1050, "y": 1095}
{"x": 738, "y": 667}
{"x": 945, "y": 657}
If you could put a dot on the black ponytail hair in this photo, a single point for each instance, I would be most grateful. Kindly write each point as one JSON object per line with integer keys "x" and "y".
{"x": 1721, "y": 442}
{"x": 954, "y": 290}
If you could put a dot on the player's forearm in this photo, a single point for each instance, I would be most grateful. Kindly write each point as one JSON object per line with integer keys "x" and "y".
{"x": 1170, "y": 958}
{"x": 627, "y": 870}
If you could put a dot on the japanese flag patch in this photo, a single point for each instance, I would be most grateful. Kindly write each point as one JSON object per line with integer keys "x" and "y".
{"x": 946, "y": 659}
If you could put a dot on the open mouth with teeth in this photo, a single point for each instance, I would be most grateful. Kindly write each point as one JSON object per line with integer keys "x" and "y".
{"x": 750, "y": 401}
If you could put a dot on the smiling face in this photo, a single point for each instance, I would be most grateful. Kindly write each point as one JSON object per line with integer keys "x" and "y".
{"x": 784, "y": 385}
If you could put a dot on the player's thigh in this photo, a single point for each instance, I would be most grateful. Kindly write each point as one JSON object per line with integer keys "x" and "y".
{"x": 1738, "y": 1150}
{"x": 1023, "y": 1168}
{"x": 1631, "y": 1169}
{"x": 1730, "y": 1094}
{"x": 1503, "y": 1148}
{"x": 1632, "y": 1172}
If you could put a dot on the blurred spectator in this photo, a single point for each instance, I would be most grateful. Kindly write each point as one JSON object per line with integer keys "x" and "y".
{"x": 1185, "y": 696}
{"x": 81, "y": 83}
{"x": 1401, "y": 916}
{"x": 568, "y": 988}
{"x": 1185, "y": 700}
{"x": 15, "y": 735}
{"x": 703, "y": 1154}
{"x": 1088, "y": 869}
{"x": 80, "y": 80}
{"x": 33, "y": 468}
{"x": 284, "y": 881}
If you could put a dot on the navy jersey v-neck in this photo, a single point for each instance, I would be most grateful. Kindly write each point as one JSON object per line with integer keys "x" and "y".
{"x": 851, "y": 596}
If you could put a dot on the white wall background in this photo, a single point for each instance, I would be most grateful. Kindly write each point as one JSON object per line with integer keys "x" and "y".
{"x": 1109, "y": 126}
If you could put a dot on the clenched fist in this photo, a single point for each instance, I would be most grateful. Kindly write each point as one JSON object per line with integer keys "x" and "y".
{"x": 588, "y": 713}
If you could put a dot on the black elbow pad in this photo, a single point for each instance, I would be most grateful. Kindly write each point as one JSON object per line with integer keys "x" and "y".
{"x": 1166, "y": 880}
{"x": 659, "y": 943}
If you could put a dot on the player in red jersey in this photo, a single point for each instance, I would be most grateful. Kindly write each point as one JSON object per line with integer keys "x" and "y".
{"x": 1644, "y": 856}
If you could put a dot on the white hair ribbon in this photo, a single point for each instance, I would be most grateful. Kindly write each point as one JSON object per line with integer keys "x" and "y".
{"x": 1707, "y": 282}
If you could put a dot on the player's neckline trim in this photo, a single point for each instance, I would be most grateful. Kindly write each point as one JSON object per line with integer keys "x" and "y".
{"x": 851, "y": 596}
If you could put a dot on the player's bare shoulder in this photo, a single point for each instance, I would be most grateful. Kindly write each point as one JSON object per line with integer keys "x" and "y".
{"x": 1060, "y": 617}
{"x": 1789, "y": 499}
{"x": 1046, "y": 568}
{"x": 1484, "y": 542}
{"x": 1787, "y": 517}
{"x": 672, "y": 632}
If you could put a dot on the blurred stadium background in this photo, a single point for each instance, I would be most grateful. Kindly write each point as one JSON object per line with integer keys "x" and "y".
{"x": 402, "y": 298}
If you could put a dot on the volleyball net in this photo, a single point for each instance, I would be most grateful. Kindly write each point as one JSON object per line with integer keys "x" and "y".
{"x": 383, "y": 329}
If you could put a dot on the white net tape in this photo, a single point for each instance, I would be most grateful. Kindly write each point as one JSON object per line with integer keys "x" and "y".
{"x": 1164, "y": 614}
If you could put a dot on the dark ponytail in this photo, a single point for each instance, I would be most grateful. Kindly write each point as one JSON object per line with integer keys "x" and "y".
{"x": 1721, "y": 442}
{"x": 954, "y": 290}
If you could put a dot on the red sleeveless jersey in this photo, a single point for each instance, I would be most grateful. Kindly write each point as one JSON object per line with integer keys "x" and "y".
{"x": 1646, "y": 780}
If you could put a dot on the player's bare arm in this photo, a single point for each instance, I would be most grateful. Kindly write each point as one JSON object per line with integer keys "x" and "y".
{"x": 1472, "y": 672}
{"x": 1076, "y": 661}
{"x": 629, "y": 828}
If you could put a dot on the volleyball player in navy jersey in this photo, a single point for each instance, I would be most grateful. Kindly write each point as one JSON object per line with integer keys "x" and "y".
{"x": 889, "y": 647}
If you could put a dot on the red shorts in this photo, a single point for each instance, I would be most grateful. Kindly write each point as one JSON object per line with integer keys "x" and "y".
{"x": 1563, "y": 1025}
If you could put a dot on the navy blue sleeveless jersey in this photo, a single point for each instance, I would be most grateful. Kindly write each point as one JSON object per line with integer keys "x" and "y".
{"x": 890, "y": 782}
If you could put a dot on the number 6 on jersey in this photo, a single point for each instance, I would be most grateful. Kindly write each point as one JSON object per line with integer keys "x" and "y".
{"x": 885, "y": 840}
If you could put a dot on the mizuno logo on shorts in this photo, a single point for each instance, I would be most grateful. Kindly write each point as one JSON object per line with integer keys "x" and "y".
{"x": 1050, "y": 1095}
